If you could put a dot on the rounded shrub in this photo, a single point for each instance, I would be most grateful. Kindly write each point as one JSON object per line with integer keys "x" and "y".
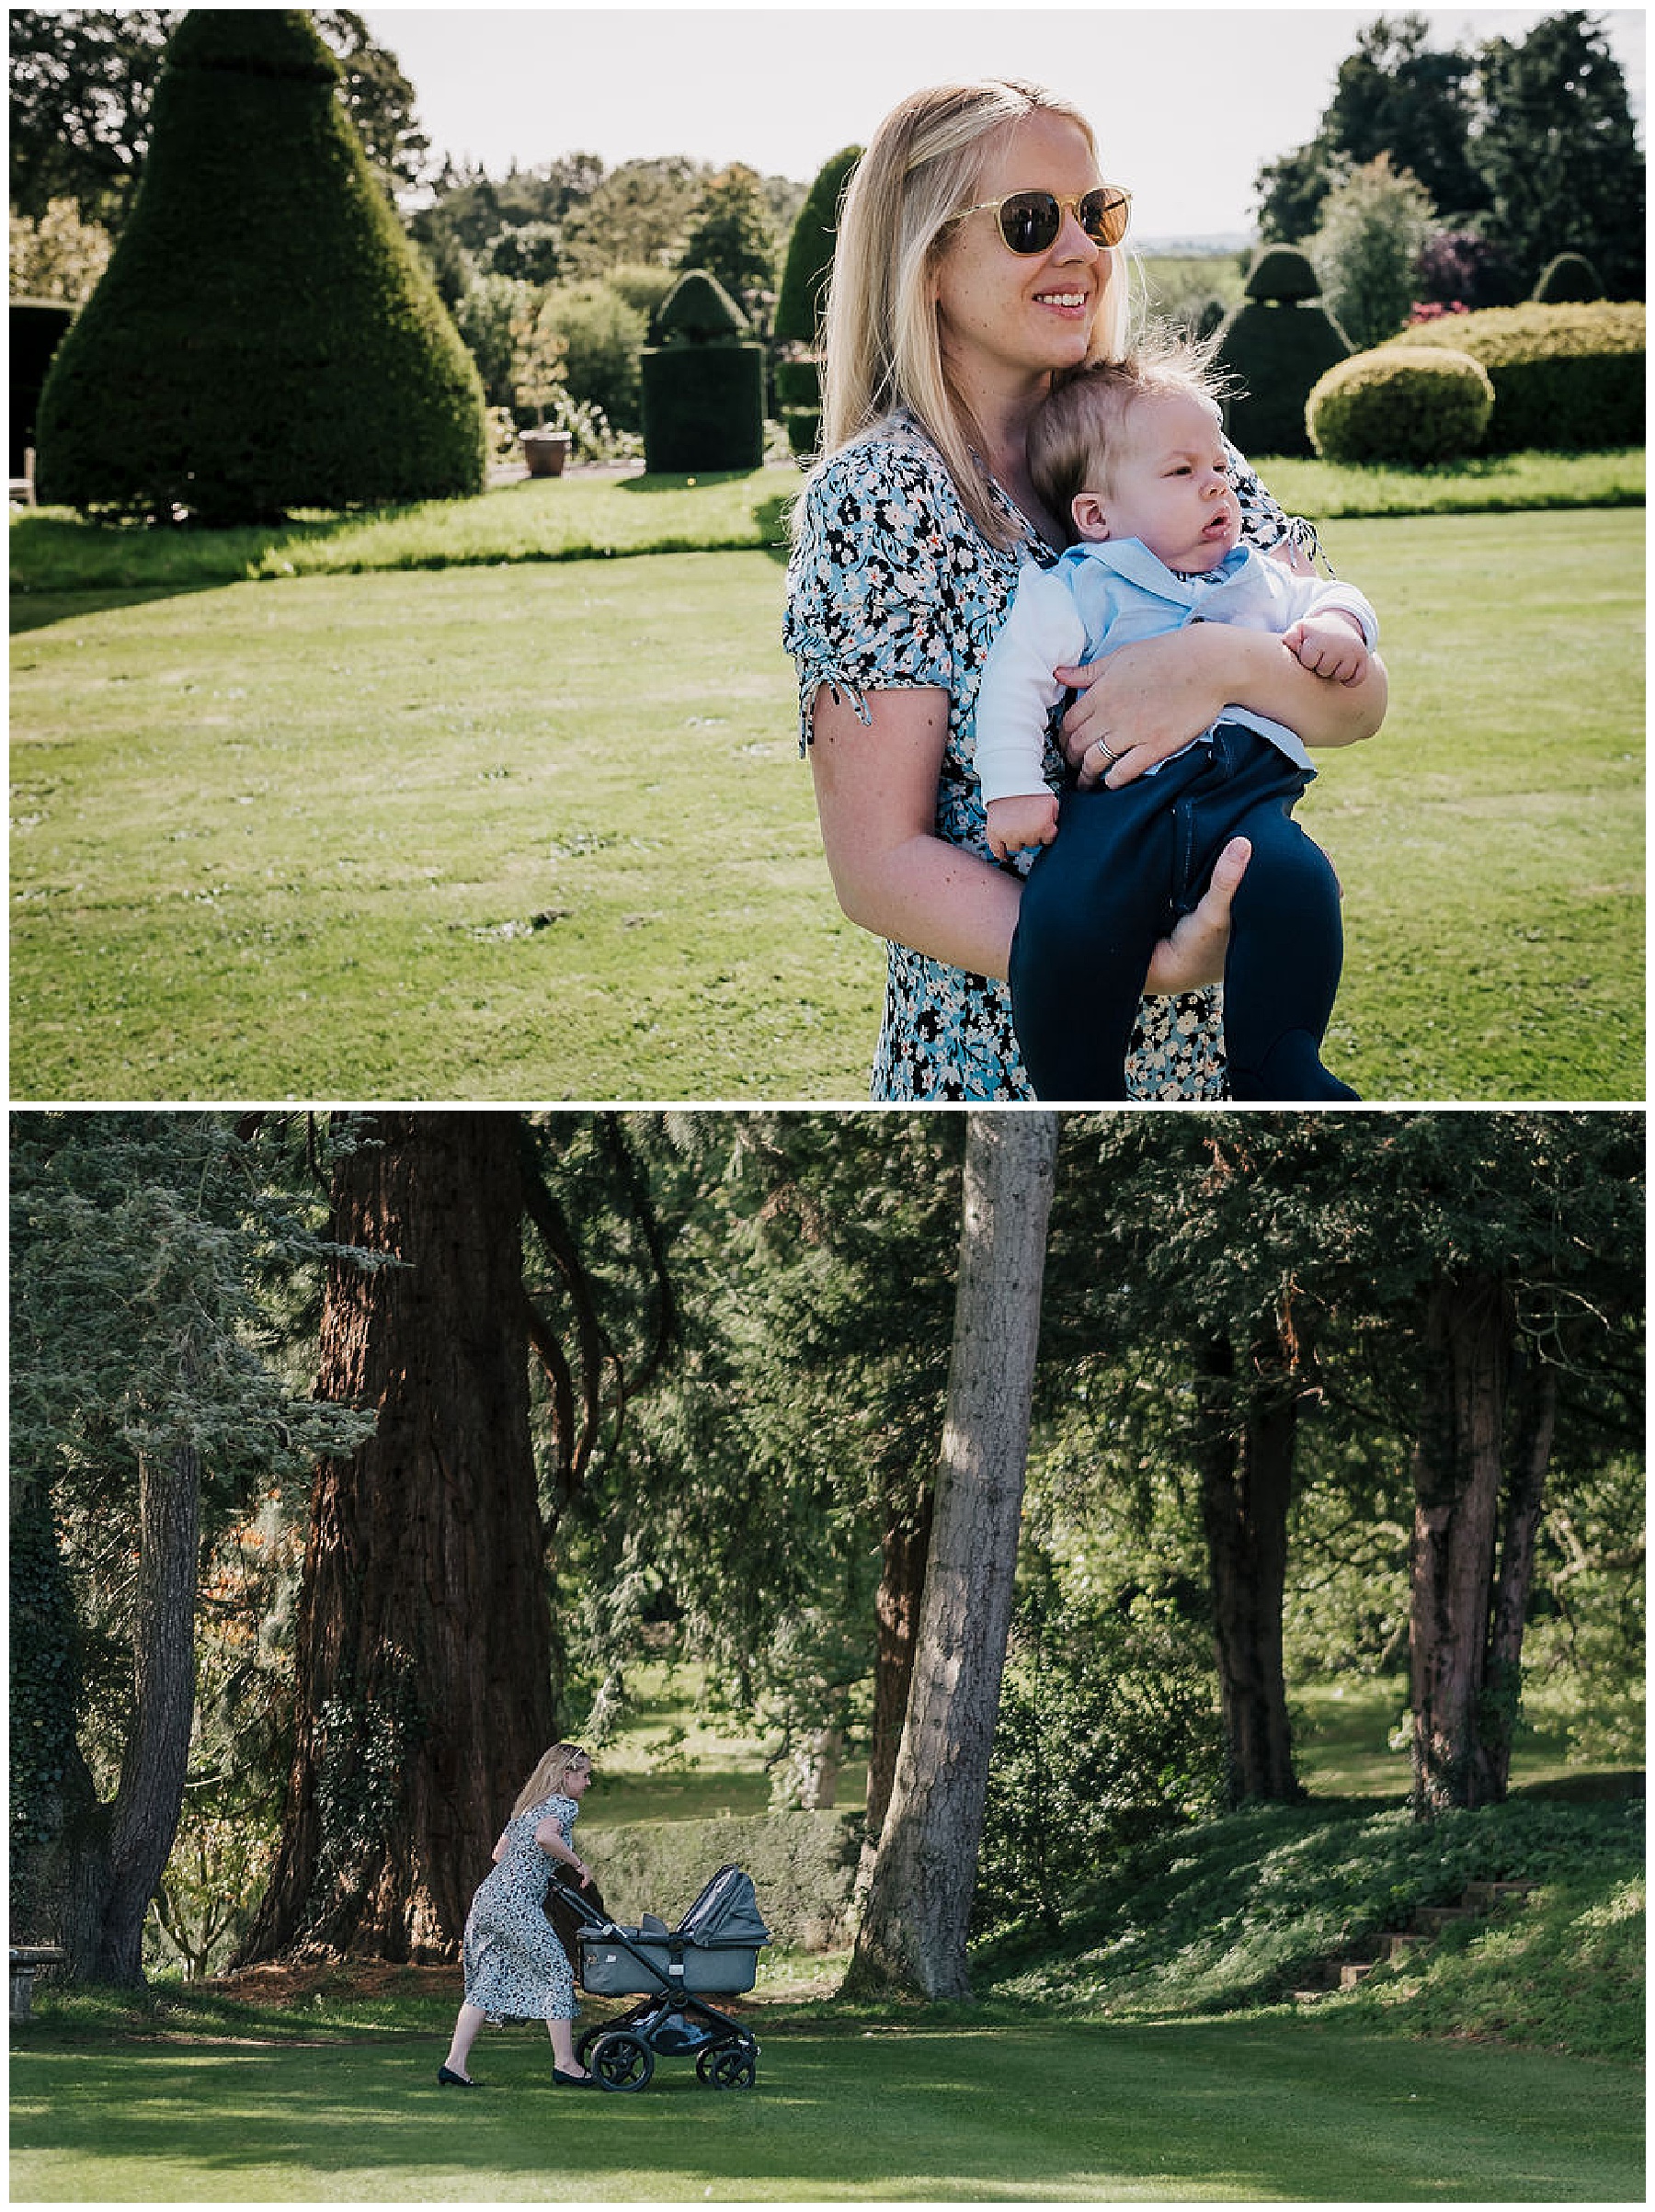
{"x": 1568, "y": 276}
{"x": 264, "y": 336}
{"x": 604, "y": 340}
{"x": 1564, "y": 377}
{"x": 1415, "y": 404}
{"x": 1274, "y": 346}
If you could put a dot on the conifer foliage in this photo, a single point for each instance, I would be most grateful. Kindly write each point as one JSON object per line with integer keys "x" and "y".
{"x": 264, "y": 337}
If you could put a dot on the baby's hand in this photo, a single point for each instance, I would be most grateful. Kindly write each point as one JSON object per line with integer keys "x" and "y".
{"x": 1030, "y": 818}
{"x": 1330, "y": 645}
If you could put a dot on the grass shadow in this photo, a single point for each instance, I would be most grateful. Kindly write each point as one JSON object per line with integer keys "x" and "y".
{"x": 34, "y": 608}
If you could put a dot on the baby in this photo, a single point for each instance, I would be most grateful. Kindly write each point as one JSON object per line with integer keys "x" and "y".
{"x": 1134, "y": 454}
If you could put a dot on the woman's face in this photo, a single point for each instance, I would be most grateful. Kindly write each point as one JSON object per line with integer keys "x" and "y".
{"x": 575, "y": 1781}
{"x": 1025, "y": 313}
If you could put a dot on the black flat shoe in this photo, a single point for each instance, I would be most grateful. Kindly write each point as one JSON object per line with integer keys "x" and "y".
{"x": 448, "y": 2079}
{"x": 573, "y": 2080}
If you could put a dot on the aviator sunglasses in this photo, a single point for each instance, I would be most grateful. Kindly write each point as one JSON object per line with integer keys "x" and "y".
{"x": 1029, "y": 222}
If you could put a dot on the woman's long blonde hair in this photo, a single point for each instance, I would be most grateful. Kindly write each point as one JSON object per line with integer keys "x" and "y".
{"x": 547, "y": 1778}
{"x": 881, "y": 345}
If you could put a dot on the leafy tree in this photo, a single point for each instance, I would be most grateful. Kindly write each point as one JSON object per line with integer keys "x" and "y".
{"x": 58, "y": 257}
{"x": 1529, "y": 144}
{"x": 1107, "y": 1733}
{"x": 917, "y": 1913}
{"x": 1417, "y": 104}
{"x": 1290, "y": 193}
{"x": 731, "y": 235}
{"x": 143, "y": 1399}
{"x": 1366, "y": 248}
{"x": 83, "y": 81}
{"x": 639, "y": 213}
{"x": 1558, "y": 152}
{"x": 297, "y": 356}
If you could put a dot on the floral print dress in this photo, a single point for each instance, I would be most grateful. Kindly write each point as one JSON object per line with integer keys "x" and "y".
{"x": 892, "y": 586}
{"x": 515, "y": 1966}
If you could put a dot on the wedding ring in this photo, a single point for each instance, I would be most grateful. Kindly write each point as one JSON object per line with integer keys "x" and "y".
{"x": 1103, "y": 747}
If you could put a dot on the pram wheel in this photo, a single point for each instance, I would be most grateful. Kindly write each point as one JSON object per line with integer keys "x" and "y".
{"x": 728, "y": 2067}
{"x": 621, "y": 2061}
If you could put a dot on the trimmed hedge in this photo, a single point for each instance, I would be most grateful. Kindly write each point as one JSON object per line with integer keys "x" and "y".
{"x": 703, "y": 385}
{"x": 38, "y": 329}
{"x": 803, "y": 1865}
{"x": 264, "y": 336}
{"x": 1416, "y": 404}
{"x": 1565, "y": 377}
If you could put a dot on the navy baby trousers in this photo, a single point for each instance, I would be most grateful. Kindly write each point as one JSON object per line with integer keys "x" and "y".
{"x": 1124, "y": 866}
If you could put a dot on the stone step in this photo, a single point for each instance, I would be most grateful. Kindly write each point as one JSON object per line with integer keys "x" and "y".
{"x": 1480, "y": 1896}
{"x": 1431, "y": 1920}
{"x": 1402, "y": 1945}
{"x": 1355, "y": 1970}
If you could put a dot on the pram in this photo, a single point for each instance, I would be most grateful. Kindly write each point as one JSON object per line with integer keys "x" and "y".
{"x": 713, "y": 1951}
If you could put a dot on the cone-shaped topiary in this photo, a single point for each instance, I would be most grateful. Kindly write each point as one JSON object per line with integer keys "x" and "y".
{"x": 1274, "y": 346}
{"x": 809, "y": 262}
{"x": 264, "y": 337}
{"x": 801, "y": 301}
{"x": 1566, "y": 277}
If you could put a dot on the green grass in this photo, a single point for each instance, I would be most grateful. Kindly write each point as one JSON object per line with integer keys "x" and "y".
{"x": 583, "y": 518}
{"x": 949, "y": 2111}
{"x": 1147, "y": 2056}
{"x": 563, "y": 519}
{"x": 541, "y": 832}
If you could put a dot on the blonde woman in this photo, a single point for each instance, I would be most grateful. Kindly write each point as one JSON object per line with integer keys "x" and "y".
{"x": 514, "y": 1963}
{"x": 979, "y": 252}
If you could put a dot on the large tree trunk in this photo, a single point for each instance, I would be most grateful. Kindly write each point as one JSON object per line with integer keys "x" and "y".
{"x": 1245, "y": 1462}
{"x": 1536, "y": 1416}
{"x": 88, "y": 1881}
{"x": 156, "y": 1760}
{"x": 1456, "y": 1472}
{"x": 917, "y": 1915}
{"x": 424, "y": 1666}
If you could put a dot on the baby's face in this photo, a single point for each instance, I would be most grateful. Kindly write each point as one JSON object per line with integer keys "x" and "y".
{"x": 1170, "y": 483}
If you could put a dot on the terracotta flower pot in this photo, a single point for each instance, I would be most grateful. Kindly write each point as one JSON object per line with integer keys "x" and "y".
{"x": 545, "y": 450}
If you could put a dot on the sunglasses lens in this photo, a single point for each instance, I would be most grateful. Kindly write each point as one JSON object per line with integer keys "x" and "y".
{"x": 1029, "y": 221}
{"x": 1103, "y": 216}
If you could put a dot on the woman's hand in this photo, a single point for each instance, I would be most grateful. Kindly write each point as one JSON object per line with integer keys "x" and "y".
{"x": 1147, "y": 701}
{"x": 1192, "y": 956}
{"x": 1139, "y": 704}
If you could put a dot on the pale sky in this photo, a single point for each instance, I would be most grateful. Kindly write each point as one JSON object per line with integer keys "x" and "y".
{"x": 1187, "y": 101}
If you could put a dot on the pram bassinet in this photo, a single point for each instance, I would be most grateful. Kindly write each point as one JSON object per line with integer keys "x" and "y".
{"x": 712, "y": 1951}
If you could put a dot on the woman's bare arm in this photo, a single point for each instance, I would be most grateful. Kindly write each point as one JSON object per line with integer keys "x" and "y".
{"x": 1149, "y": 699}
{"x": 877, "y": 798}
{"x": 877, "y": 795}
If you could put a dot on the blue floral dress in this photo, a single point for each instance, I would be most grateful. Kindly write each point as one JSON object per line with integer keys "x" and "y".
{"x": 892, "y": 586}
{"x": 515, "y": 1966}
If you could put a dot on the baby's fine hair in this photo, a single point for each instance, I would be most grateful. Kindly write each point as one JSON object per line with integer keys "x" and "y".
{"x": 1084, "y": 415}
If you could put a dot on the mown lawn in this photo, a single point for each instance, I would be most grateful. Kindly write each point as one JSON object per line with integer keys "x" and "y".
{"x": 539, "y": 831}
{"x": 951, "y": 2111}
